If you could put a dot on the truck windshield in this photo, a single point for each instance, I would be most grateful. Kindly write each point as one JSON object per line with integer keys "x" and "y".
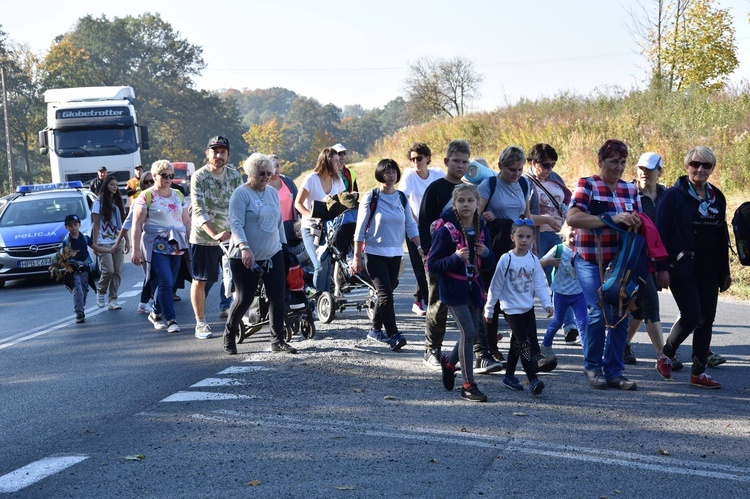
{"x": 78, "y": 142}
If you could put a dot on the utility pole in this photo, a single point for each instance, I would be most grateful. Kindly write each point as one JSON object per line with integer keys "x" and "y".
{"x": 11, "y": 180}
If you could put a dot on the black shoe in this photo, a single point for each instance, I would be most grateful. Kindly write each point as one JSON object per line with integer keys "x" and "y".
{"x": 449, "y": 375}
{"x": 537, "y": 385}
{"x": 230, "y": 346}
{"x": 396, "y": 342}
{"x": 628, "y": 357}
{"x": 498, "y": 356}
{"x": 622, "y": 383}
{"x": 571, "y": 337}
{"x": 472, "y": 394}
{"x": 596, "y": 379}
{"x": 545, "y": 364}
{"x": 282, "y": 347}
{"x": 80, "y": 317}
{"x": 676, "y": 364}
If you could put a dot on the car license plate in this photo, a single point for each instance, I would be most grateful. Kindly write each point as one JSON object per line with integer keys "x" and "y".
{"x": 39, "y": 262}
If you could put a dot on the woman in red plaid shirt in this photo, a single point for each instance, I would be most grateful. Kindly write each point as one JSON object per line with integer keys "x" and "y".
{"x": 595, "y": 196}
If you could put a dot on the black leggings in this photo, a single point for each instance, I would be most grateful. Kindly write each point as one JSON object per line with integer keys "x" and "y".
{"x": 246, "y": 285}
{"x": 417, "y": 264}
{"x": 383, "y": 271}
{"x": 696, "y": 298}
{"x": 523, "y": 336}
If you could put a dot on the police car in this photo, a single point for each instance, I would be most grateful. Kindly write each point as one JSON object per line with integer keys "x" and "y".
{"x": 32, "y": 226}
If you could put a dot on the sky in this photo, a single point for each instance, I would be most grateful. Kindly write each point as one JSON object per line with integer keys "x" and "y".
{"x": 349, "y": 52}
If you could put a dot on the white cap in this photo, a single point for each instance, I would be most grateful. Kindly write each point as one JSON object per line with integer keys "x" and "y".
{"x": 338, "y": 148}
{"x": 649, "y": 160}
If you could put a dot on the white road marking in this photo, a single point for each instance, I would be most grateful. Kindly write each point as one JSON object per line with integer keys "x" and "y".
{"x": 211, "y": 382}
{"x": 661, "y": 464}
{"x": 244, "y": 369}
{"x": 36, "y": 471}
{"x": 204, "y": 397}
{"x": 129, "y": 294}
{"x": 47, "y": 328}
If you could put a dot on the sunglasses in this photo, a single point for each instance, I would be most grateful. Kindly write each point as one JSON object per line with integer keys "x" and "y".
{"x": 547, "y": 166}
{"x": 418, "y": 159}
{"x": 699, "y": 164}
{"x": 147, "y": 182}
{"x": 524, "y": 221}
{"x": 264, "y": 174}
{"x": 167, "y": 176}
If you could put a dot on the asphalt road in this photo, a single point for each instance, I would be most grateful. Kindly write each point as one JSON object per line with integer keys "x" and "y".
{"x": 113, "y": 408}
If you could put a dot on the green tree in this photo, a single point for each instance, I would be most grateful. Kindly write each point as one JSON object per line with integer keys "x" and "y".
{"x": 265, "y": 138}
{"x": 687, "y": 42}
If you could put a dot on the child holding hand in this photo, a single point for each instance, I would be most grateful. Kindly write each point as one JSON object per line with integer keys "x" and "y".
{"x": 518, "y": 278}
{"x": 566, "y": 288}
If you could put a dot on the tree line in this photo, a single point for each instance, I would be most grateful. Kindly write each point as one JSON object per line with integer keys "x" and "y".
{"x": 688, "y": 43}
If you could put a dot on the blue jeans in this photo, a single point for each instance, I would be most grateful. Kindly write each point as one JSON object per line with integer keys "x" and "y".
{"x": 323, "y": 270}
{"x": 166, "y": 268}
{"x": 603, "y": 347}
{"x": 547, "y": 240}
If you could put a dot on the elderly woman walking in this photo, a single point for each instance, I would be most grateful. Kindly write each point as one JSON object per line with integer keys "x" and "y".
{"x": 257, "y": 235}
{"x": 161, "y": 222}
{"x": 691, "y": 217}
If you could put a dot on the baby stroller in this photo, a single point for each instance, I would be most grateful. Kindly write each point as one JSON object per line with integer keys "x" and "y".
{"x": 298, "y": 317}
{"x": 348, "y": 288}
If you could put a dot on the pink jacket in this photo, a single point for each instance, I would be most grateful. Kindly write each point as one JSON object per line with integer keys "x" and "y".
{"x": 657, "y": 253}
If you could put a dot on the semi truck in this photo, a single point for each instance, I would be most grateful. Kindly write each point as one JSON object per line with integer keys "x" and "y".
{"x": 90, "y": 127}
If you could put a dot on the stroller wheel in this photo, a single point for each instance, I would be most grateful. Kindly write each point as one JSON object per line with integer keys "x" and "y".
{"x": 289, "y": 330}
{"x": 307, "y": 329}
{"x": 370, "y": 307}
{"x": 325, "y": 307}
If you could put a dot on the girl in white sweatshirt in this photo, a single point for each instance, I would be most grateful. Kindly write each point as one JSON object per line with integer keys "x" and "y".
{"x": 518, "y": 279}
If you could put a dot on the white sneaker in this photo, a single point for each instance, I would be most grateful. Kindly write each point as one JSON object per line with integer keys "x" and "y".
{"x": 100, "y": 300}
{"x": 547, "y": 352}
{"x": 203, "y": 331}
{"x": 418, "y": 308}
{"x": 113, "y": 305}
{"x": 172, "y": 327}
{"x": 144, "y": 308}
{"x": 157, "y": 321}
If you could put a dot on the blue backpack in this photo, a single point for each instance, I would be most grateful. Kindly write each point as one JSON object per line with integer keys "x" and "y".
{"x": 625, "y": 273}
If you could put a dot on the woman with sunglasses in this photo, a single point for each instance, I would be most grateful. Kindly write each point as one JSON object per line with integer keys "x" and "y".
{"x": 549, "y": 205}
{"x": 145, "y": 182}
{"x": 597, "y": 244}
{"x": 255, "y": 250}
{"x": 413, "y": 183}
{"x": 691, "y": 217}
{"x": 161, "y": 222}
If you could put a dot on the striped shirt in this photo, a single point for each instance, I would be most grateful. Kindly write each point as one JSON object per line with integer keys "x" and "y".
{"x": 594, "y": 197}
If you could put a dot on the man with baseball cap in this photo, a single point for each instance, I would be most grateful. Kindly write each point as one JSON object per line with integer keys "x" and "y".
{"x": 210, "y": 189}
{"x": 133, "y": 186}
{"x": 96, "y": 184}
{"x": 348, "y": 176}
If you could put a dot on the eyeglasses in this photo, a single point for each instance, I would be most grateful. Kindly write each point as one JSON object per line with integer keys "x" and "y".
{"x": 167, "y": 176}
{"x": 547, "y": 166}
{"x": 699, "y": 164}
{"x": 524, "y": 221}
{"x": 147, "y": 182}
{"x": 264, "y": 174}
{"x": 418, "y": 159}
{"x": 342, "y": 154}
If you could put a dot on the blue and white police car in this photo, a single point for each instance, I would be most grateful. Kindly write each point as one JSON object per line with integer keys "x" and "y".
{"x": 32, "y": 226}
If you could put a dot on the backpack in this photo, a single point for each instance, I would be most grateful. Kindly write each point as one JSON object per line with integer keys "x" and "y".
{"x": 558, "y": 254}
{"x": 523, "y": 181}
{"x": 374, "y": 206}
{"x": 741, "y": 227}
{"x": 624, "y": 274}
